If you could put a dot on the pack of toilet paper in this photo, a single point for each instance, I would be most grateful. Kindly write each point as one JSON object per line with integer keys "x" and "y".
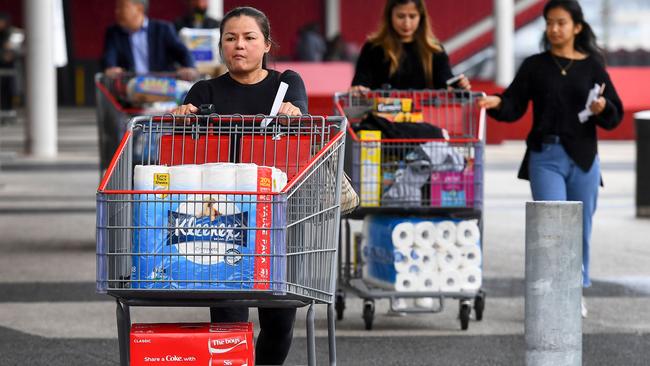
{"x": 191, "y": 239}
{"x": 422, "y": 254}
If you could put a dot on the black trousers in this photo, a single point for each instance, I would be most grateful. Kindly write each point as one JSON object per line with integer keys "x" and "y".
{"x": 276, "y": 330}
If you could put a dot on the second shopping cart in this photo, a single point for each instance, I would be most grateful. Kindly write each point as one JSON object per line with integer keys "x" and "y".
{"x": 416, "y": 160}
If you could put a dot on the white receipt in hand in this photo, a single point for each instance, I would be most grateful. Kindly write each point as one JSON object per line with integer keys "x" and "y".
{"x": 594, "y": 93}
{"x": 279, "y": 97}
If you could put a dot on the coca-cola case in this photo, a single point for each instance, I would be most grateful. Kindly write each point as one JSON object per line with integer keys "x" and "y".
{"x": 211, "y": 344}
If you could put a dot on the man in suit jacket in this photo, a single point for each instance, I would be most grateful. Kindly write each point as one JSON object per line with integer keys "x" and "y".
{"x": 142, "y": 45}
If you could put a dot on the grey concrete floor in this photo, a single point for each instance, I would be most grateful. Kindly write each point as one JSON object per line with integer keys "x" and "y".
{"x": 49, "y": 313}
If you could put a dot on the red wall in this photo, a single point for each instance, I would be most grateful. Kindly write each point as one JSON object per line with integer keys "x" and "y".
{"x": 286, "y": 17}
{"x": 14, "y": 9}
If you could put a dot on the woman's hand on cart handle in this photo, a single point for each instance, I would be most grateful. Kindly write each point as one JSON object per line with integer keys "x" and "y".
{"x": 114, "y": 71}
{"x": 185, "y": 109}
{"x": 490, "y": 102}
{"x": 289, "y": 109}
{"x": 461, "y": 83}
{"x": 358, "y": 90}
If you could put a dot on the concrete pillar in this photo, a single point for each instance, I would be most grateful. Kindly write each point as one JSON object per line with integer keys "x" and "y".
{"x": 215, "y": 9}
{"x": 642, "y": 129}
{"x": 41, "y": 131}
{"x": 504, "y": 40}
{"x": 332, "y": 18}
{"x": 553, "y": 325}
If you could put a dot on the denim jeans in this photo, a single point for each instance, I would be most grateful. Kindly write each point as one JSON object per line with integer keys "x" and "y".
{"x": 554, "y": 176}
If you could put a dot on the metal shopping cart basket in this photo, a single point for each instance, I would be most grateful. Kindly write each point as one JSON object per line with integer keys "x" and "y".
{"x": 413, "y": 156}
{"x": 286, "y": 258}
{"x": 115, "y": 108}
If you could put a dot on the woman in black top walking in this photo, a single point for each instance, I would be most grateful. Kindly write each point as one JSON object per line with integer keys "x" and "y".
{"x": 561, "y": 161}
{"x": 403, "y": 53}
{"x": 249, "y": 88}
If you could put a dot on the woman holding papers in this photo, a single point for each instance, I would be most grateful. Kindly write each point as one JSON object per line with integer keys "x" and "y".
{"x": 249, "y": 88}
{"x": 404, "y": 53}
{"x": 572, "y": 94}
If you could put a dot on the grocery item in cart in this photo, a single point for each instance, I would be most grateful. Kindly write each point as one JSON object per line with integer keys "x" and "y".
{"x": 149, "y": 219}
{"x": 148, "y": 89}
{"x": 412, "y": 254}
{"x": 452, "y": 189}
{"x": 370, "y": 168}
{"x": 210, "y": 240}
{"x": 397, "y": 109}
{"x": 192, "y": 344}
{"x": 203, "y": 44}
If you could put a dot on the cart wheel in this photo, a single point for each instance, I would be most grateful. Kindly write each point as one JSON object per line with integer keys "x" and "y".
{"x": 479, "y": 305}
{"x": 464, "y": 312}
{"x": 368, "y": 313}
{"x": 340, "y": 304}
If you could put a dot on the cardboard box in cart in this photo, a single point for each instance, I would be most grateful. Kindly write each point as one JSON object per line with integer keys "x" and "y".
{"x": 184, "y": 344}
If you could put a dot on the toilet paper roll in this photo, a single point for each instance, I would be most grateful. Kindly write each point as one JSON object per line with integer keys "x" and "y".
{"x": 247, "y": 177}
{"x": 445, "y": 234}
{"x": 471, "y": 278}
{"x": 428, "y": 260}
{"x": 219, "y": 177}
{"x": 406, "y": 282}
{"x": 424, "y": 234}
{"x": 148, "y": 178}
{"x": 402, "y": 235}
{"x": 403, "y": 260}
{"x": 451, "y": 281}
{"x": 430, "y": 282}
{"x": 186, "y": 178}
{"x": 424, "y": 302}
{"x": 470, "y": 256}
{"x": 467, "y": 233}
{"x": 449, "y": 259}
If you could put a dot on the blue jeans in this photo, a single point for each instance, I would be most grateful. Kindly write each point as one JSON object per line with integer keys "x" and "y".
{"x": 555, "y": 177}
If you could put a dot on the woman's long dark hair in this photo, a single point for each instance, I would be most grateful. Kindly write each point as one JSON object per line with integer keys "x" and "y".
{"x": 426, "y": 43}
{"x": 585, "y": 41}
{"x": 260, "y": 18}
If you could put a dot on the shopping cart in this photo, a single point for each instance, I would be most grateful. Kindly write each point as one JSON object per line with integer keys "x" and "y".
{"x": 297, "y": 269}
{"x": 115, "y": 108}
{"x": 387, "y": 171}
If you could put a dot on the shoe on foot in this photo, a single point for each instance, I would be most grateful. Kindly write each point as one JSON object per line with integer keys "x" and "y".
{"x": 397, "y": 304}
{"x": 424, "y": 302}
{"x": 583, "y": 306}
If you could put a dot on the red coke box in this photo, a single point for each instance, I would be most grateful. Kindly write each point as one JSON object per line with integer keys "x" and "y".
{"x": 212, "y": 344}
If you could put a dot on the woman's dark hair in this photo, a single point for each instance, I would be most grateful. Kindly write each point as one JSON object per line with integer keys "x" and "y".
{"x": 260, "y": 18}
{"x": 585, "y": 41}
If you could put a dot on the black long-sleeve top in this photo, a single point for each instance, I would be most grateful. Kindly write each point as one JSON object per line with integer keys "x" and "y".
{"x": 557, "y": 100}
{"x": 232, "y": 97}
{"x": 373, "y": 69}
